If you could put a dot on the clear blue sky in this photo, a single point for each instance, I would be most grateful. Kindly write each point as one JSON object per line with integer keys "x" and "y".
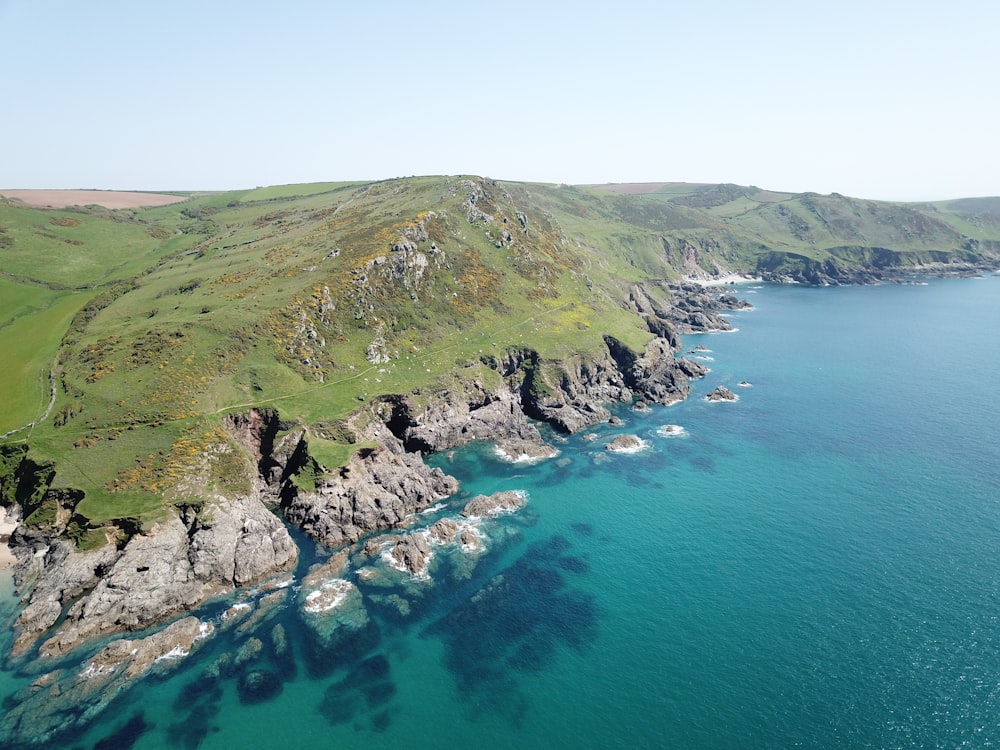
{"x": 893, "y": 100}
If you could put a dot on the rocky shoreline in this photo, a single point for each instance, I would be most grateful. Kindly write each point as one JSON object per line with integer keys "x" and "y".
{"x": 72, "y": 596}
{"x": 72, "y": 600}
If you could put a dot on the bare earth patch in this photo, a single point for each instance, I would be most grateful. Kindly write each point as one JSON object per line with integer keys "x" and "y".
{"x": 105, "y": 198}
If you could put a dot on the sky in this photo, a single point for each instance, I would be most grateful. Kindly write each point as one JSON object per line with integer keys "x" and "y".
{"x": 877, "y": 99}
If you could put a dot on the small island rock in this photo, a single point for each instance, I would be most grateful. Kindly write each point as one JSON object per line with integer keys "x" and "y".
{"x": 721, "y": 394}
{"x": 482, "y": 506}
{"x": 624, "y": 444}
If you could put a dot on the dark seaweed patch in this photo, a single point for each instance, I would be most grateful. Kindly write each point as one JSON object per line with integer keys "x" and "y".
{"x": 379, "y": 693}
{"x": 367, "y": 686}
{"x": 573, "y": 565}
{"x": 516, "y": 623}
{"x": 370, "y": 670}
{"x": 192, "y": 731}
{"x": 326, "y": 654}
{"x": 197, "y": 692}
{"x": 258, "y": 685}
{"x": 583, "y": 529}
{"x": 704, "y": 463}
{"x": 339, "y": 706}
{"x": 126, "y": 736}
{"x": 381, "y": 721}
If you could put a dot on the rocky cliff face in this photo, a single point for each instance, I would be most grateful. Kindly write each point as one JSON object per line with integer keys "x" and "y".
{"x": 377, "y": 489}
{"x": 169, "y": 568}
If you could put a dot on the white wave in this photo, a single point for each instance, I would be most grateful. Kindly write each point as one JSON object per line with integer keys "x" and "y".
{"x": 671, "y": 430}
{"x": 643, "y": 445}
{"x": 231, "y": 612}
{"x": 330, "y": 595}
{"x": 175, "y": 653}
{"x": 522, "y": 458}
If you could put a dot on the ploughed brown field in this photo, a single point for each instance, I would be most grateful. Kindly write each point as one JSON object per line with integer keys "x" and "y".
{"x": 105, "y": 198}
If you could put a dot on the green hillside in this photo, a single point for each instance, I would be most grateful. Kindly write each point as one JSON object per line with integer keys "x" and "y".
{"x": 315, "y": 299}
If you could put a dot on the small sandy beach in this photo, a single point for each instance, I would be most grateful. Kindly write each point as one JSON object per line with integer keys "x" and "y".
{"x": 733, "y": 278}
{"x": 7, "y": 527}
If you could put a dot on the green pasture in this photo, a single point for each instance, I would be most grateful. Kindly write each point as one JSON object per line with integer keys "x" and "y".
{"x": 75, "y": 249}
{"x": 30, "y": 344}
{"x": 17, "y": 299}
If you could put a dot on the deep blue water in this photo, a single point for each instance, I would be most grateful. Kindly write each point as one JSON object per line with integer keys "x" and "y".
{"x": 815, "y": 565}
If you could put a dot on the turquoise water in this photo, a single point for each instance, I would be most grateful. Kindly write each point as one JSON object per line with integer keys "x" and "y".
{"x": 814, "y": 565}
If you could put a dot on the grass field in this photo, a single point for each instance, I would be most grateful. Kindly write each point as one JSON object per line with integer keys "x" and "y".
{"x": 30, "y": 345}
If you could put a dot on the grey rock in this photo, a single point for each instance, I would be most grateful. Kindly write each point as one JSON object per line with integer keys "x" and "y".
{"x": 377, "y": 489}
{"x": 412, "y": 553}
{"x": 624, "y": 443}
{"x": 169, "y": 568}
{"x": 721, "y": 394}
{"x": 443, "y": 531}
{"x": 483, "y": 506}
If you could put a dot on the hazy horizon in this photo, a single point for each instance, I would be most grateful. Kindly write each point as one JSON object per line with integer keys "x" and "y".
{"x": 888, "y": 102}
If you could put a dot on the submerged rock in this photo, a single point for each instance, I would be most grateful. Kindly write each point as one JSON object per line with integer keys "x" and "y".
{"x": 60, "y": 701}
{"x": 258, "y": 685}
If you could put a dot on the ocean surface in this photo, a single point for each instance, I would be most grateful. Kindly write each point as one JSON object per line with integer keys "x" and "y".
{"x": 815, "y": 565}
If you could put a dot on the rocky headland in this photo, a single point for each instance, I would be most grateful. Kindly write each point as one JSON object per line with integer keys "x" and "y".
{"x": 146, "y": 575}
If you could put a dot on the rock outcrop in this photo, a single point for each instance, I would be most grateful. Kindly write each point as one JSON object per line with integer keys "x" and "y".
{"x": 483, "y": 506}
{"x": 625, "y": 444}
{"x": 57, "y": 702}
{"x": 216, "y": 544}
{"x": 377, "y": 489}
{"x": 171, "y": 567}
{"x": 721, "y": 394}
{"x": 448, "y": 418}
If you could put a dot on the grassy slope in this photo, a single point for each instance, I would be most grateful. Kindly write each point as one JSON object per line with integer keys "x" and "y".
{"x": 29, "y": 344}
{"x": 274, "y": 297}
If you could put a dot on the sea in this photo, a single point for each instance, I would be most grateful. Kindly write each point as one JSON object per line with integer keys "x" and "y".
{"x": 813, "y": 565}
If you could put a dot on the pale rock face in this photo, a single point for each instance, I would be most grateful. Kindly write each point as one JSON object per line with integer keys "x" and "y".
{"x": 170, "y": 568}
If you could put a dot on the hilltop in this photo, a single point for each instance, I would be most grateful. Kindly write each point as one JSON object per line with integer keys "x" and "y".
{"x": 315, "y": 299}
{"x": 296, "y": 346}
